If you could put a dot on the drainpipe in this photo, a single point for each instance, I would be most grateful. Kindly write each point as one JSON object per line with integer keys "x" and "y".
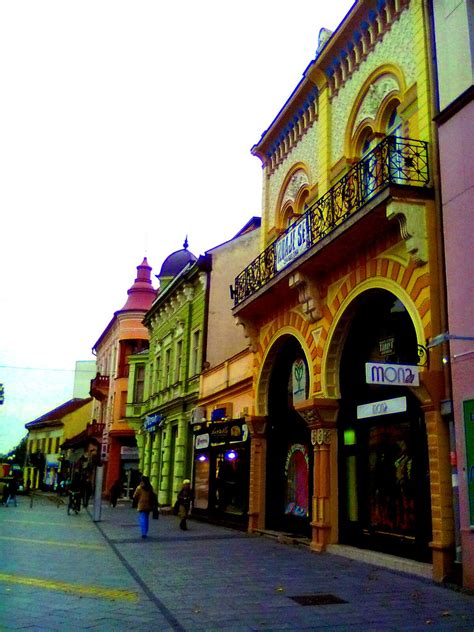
{"x": 447, "y": 403}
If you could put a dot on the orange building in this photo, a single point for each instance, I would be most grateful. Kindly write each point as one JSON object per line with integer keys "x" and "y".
{"x": 349, "y": 444}
{"x": 123, "y": 336}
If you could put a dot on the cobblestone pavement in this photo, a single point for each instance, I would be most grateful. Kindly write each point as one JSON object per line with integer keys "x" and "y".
{"x": 60, "y": 572}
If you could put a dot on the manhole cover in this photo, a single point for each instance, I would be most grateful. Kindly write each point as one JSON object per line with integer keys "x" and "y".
{"x": 317, "y": 600}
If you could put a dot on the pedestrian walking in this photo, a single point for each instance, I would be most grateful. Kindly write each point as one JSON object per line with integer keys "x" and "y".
{"x": 115, "y": 492}
{"x": 12, "y": 490}
{"x": 183, "y": 504}
{"x": 87, "y": 490}
{"x": 143, "y": 497}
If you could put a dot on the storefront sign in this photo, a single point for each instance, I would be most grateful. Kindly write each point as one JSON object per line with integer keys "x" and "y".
{"x": 221, "y": 433}
{"x": 231, "y": 431}
{"x": 292, "y": 244}
{"x": 387, "y": 407}
{"x": 129, "y": 452}
{"x": 393, "y": 374}
{"x": 152, "y": 421}
{"x": 202, "y": 441}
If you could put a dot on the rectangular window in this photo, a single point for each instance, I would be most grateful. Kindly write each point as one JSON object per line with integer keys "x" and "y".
{"x": 178, "y": 360}
{"x": 167, "y": 368}
{"x": 157, "y": 376}
{"x": 139, "y": 383}
{"x": 195, "y": 352}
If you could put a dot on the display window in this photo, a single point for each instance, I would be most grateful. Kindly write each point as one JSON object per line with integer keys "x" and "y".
{"x": 221, "y": 470}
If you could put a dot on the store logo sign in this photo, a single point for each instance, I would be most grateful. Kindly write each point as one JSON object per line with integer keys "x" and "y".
{"x": 292, "y": 244}
{"x": 387, "y": 407}
{"x": 392, "y": 374}
{"x": 202, "y": 441}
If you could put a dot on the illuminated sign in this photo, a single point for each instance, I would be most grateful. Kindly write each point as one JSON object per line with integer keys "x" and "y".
{"x": 387, "y": 407}
{"x": 393, "y": 374}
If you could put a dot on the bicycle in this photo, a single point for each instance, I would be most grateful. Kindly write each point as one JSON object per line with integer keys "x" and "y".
{"x": 74, "y": 503}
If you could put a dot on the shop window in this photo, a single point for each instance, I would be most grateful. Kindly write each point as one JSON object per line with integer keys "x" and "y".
{"x": 201, "y": 482}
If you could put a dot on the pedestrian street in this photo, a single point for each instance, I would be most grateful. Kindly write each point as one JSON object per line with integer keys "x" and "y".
{"x": 60, "y": 572}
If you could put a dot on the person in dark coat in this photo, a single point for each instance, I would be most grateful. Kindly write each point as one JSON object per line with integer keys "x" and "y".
{"x": 115, "y": 492}
{"x": 184, "y": 500}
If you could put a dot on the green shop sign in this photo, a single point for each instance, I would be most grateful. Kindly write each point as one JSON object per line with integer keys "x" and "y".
{"x": 469, "y": 435}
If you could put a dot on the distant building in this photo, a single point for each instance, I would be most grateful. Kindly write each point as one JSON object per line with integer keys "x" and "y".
{"x": 45, "y": 466}
{"x": 85, "y": 371}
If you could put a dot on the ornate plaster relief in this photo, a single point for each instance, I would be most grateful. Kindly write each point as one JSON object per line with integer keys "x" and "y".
{"x": 412, "y": 219}
{"x": 396, "y": 44}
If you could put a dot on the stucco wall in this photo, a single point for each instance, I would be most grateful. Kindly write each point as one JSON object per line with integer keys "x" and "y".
{"x": 225, "y": 339}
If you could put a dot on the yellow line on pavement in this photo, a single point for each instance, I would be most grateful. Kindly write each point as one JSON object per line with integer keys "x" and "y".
{"x": 69, "y": 525}
{"x": 76, "y": 545}
{"x": 89, "y": 591}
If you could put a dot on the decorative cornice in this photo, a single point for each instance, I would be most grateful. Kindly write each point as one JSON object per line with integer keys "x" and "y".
{"x": 365, "y": 35}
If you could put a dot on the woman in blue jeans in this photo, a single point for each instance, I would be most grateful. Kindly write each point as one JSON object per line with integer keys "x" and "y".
{"x": 144, "y": 497}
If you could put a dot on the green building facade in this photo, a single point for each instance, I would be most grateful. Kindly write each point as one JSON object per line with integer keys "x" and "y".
{"x": 164, "y": 380}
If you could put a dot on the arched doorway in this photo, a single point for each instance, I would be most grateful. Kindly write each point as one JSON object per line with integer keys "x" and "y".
{"x": 289, "y": 451}
{"x": 383, "y": 472}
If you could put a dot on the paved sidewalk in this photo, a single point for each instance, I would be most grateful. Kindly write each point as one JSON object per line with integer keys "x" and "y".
{"x": 60, "y": 572}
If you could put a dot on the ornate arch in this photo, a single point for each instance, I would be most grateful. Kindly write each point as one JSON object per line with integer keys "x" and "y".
{"x": 294, "y": 188}
{"x": 267, "y": 357}
{"x": 381, "y": 86}
{"x": 412, "y": 299}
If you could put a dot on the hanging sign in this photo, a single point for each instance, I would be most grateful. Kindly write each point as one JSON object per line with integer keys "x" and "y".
{"x": 152, "y": 421}
{"x": 392, "y": 374}
{"x": 387, "y": 407}
{"x": 292, "y": 244}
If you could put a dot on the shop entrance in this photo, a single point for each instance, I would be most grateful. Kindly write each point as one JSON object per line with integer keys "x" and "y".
{"x": 384, "y": 474}
{"x": 289, "y": 450}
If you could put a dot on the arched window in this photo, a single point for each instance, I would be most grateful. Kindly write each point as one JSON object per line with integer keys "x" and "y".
{"x": 394, "y": 130}
{"x": 369, "y": 163}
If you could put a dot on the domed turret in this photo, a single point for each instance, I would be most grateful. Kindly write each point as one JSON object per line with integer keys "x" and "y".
{"x": 174, "y": 263}
{"x": 142, "y": 294}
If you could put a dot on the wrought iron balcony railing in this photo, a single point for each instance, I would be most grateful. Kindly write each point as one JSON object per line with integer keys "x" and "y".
{"x": 394, "y": 160}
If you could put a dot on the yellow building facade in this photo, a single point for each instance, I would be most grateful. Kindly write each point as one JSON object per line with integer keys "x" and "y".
{"x": 46, "y": 434}
{"x": 348, "y": 441}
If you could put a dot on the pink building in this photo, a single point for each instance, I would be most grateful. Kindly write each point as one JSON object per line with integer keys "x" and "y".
{"x": 454, "y": 46}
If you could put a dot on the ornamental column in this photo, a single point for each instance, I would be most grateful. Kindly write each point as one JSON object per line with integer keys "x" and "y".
{"x": 320, "y": 415}
{"x": 258, "y": 464}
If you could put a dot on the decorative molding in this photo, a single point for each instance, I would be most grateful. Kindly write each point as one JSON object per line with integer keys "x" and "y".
{"x": 250, "y": 332}
{"x": 411, "y": 217}
{"x": 308, "y": 296}
{"x": 374, "y": 97}
{"x": 320, "y": 436}
{"x": 297, "y": 180}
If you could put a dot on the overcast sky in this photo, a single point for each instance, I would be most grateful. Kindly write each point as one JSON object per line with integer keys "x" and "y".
{"x": 124, "y": 127}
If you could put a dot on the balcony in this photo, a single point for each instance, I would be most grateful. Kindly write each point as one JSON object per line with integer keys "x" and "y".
{"x": 394, "y": 162}
{"x": 100, "y": 387}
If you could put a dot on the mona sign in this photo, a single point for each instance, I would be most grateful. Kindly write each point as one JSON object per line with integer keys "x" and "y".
{"x": 392, "y": 374}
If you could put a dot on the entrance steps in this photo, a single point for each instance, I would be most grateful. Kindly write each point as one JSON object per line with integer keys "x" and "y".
{"x": 392, "y": 562}
{"x": 384, "y": 560}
